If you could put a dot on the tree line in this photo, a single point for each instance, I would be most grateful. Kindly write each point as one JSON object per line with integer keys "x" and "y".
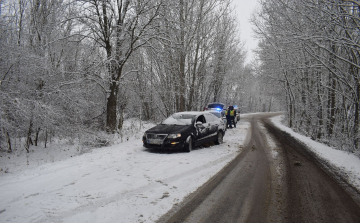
{"x": 310, "y": 50}
{"x": 70, "y": 68}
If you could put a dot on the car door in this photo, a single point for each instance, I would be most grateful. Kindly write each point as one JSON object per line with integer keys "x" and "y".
{"x": 213, "y": 125}
{"x": 202, "y": 130}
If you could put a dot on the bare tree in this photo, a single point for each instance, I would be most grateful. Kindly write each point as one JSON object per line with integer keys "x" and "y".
{"x": 120, "y": 28}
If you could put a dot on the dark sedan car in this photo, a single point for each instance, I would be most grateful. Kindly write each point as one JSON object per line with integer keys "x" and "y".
{"x": 185, "y": 130}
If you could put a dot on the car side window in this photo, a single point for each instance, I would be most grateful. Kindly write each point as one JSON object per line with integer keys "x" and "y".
{"x": 201, "y": 118}
{"x": 211, "y": 118}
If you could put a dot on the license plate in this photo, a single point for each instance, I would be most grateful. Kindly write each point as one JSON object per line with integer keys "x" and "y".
{"x": 155, "y": 141}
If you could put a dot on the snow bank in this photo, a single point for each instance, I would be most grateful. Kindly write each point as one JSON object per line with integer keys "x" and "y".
{"x": 348, "y": 165}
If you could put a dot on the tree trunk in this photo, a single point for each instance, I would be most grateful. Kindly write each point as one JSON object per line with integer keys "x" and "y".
{"x": 290, "y": 99}
{"x": 8, "y": 142}
{"x": 121, "y": 118}
{"x": 182, "y": 58}
{"x": 319, "y": 112}
{"x": 28, "y": 138}
{"x": 356, "y": 120}
{"x": 111, "y": 108}
{"x": 332, "y": 93}
{"x": 46, "y": 136}
{"x": 37, "y": 136}
{"x": 332, "y": 105}
{"x": 270, "y": 104}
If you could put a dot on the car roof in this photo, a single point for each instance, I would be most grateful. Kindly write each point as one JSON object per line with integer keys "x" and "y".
{"x": 216, "y": 103}
{"x": 197, "y": 113}
{"x": 191, "y": 112}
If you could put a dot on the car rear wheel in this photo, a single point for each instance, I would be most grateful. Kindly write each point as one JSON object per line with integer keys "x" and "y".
{"x": 189, "y": 144}
{"x": 220, "y": 137}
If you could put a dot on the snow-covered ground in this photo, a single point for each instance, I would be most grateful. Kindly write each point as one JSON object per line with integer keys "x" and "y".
{"x": 124, "y": 182}
{"x": 121, "y": 183}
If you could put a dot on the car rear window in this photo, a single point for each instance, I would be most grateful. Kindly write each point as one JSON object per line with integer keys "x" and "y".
{"x": 216, "y": 106}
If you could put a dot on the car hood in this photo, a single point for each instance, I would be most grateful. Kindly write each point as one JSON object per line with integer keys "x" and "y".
{"x": 168, "y": 129}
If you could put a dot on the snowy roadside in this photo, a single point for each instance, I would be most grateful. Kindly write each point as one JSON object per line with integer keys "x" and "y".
{"x": 346, "y": 164}
{"x": 60, "y": 149}
{"x": 120, "y": 183}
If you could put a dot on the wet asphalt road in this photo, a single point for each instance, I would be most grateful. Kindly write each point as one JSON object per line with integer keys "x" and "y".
{"x": 278, "y": 183}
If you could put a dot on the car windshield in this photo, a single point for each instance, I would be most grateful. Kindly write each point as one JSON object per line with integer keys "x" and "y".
{"x": 179, "y": 119}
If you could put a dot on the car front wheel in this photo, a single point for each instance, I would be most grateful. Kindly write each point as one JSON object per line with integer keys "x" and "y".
{"x": 189, "y": 144}
{"x": 220, "y": 137}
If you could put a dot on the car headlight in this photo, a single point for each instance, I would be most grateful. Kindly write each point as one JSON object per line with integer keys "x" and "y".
{"x": 174, "y": 136}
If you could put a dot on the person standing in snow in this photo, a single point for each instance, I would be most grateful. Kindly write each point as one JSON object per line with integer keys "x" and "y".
{"x": 228, "y": 118}
{"x": 233, "y": 115}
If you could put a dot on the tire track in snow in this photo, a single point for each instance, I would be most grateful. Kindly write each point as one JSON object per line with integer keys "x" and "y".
{"x": 93, "y": 205}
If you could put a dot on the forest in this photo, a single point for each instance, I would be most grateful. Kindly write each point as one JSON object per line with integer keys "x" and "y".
{"x": 78, "y": 68}
{"x": 311, "y": 49}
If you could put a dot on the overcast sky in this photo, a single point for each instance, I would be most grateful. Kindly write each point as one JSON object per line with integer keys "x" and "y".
{"x": 244, "y": 8}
